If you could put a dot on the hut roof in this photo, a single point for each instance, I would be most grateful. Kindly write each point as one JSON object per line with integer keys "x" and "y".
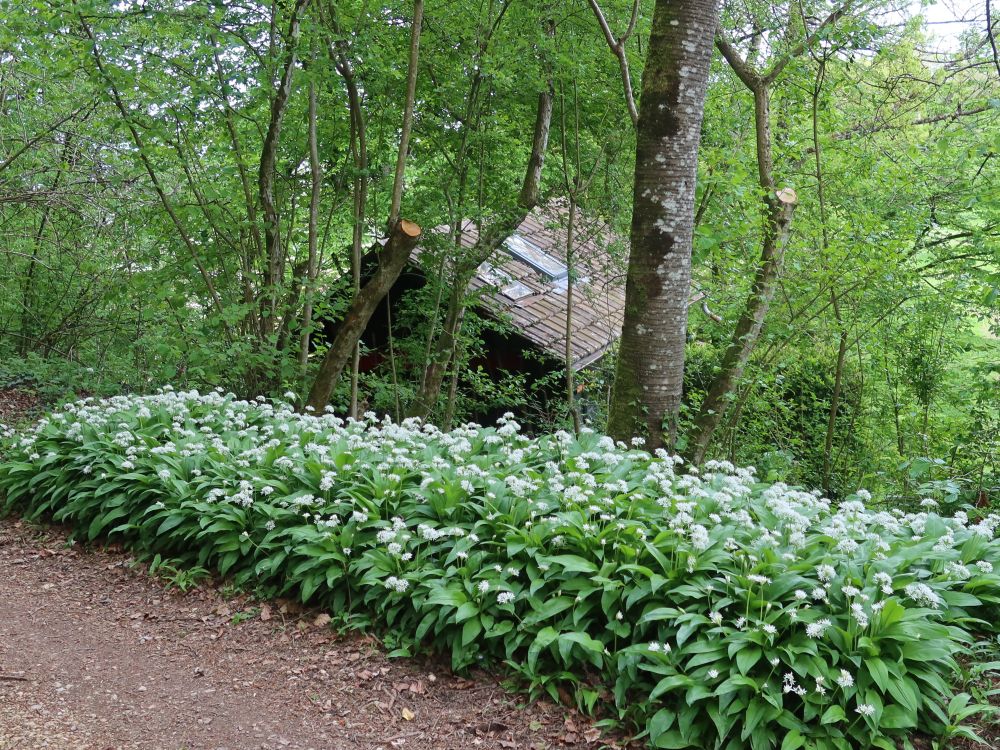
{"x": 526, "y": 282}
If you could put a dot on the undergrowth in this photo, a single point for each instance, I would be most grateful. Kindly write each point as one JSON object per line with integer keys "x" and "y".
{"x": 710, "y": 610}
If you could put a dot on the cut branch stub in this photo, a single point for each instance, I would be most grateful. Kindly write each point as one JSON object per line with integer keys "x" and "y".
{"x": 408, "y": 228}
{"x": 787, "y": 196}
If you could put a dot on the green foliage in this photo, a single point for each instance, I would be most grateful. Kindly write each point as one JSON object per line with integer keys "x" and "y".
{"x": 711, "y": 610}
{"x": 176, "y": 575}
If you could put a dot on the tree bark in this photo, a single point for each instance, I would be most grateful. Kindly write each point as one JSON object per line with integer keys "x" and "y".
{"x": 393, "y": 258}
{"x": 650, "y": 369}
{"x": 779, "y": 223}
{"x": 487, "y": 243}
{"x": 266, "y": 173}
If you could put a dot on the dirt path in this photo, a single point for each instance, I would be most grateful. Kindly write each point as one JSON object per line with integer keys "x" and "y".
{"x": 96, "y": 654}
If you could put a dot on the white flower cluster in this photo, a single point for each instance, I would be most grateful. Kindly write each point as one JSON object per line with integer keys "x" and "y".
{"x": 474, "y": 499}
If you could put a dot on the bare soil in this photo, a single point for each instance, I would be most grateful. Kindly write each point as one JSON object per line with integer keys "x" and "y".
{"x": 95, "y": 653}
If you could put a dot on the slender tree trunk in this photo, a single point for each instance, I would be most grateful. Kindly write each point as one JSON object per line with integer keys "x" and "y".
{"x": 404, "y": 136}
{"x": 248, "y": 259}
{"x": 780, "y": 208}
{"x": 359, "y": 151}
{"x": 650, "y": 369}
{"x": 449, "y": 411}
{"x": 487, "y": 243}
{"x": 838, "y": 385}
{"x": 777, "y": 211}
{"x": 393, "y": 258}
{"x": 316, "y": 185}
{"x": 838, "y": 377}
{"x": 574, "y": 412}
{"x": 403, "y": 237}
{"x": 265, "y": 178}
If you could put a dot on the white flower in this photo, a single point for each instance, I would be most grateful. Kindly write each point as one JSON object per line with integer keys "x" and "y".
{"x": 483, "y": 586}
{"x": 654, "y": 646}
{"x": 770, "y": 629}
{"x": 800, "y": 594}
{"x": 817, "y": 629}
{"x": 505, "y": 597}
{"x": 865, "y": 709}
{"x": 923, "y": 595}
{"x": 859, "y": 614}
{"x": 825, "y": 572}
{"x": 845, "y": 680}
{"x": 715, "y": 617}
{"x": 713, "y": 673}
{"x": 396, "y": 584}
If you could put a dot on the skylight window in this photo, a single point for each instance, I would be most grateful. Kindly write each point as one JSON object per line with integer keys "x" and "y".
{"x": 532, "y": 255}
{"x": 493, "y": 276}
{"x": 516, "y": 291}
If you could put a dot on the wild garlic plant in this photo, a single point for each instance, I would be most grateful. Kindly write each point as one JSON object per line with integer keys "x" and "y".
{"x": 712, "y": 610}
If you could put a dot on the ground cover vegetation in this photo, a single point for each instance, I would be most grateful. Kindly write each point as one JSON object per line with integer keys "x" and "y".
{"x": 706, "y": 608}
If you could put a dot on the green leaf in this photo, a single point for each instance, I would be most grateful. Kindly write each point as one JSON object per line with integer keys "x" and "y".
{"x": 793, "y": 740}
{"x": 832, "y": 715}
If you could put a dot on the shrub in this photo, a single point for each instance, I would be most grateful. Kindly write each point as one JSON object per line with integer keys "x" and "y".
{"x": 712, "y": 610}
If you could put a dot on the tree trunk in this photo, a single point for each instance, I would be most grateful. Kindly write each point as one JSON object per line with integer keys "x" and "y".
{"x": 649, "y": 374}
{"x": 316, "y": 184}
{"x": 265, "y": 176}
{"x": 780, "y": 208}
{"x": 838, "y": 384}
{"x": 403, "y": 237}
{"x": 574, "y": 412}
{"x": 392, "y": 259}
{"x": 488, "y": 241}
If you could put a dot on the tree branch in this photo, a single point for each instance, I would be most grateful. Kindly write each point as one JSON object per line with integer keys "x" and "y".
{"x": 618, "y": 49}
{"x": 751, "y": 79}
{"x": 411, "y": 87}
{"x": 806, "y": 43}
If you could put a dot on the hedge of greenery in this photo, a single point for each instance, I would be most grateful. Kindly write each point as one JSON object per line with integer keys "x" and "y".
{"x": 714, "y": 611}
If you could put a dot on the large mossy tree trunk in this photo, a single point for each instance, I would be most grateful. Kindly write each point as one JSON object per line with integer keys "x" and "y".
{"x": 650, "y": 370}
